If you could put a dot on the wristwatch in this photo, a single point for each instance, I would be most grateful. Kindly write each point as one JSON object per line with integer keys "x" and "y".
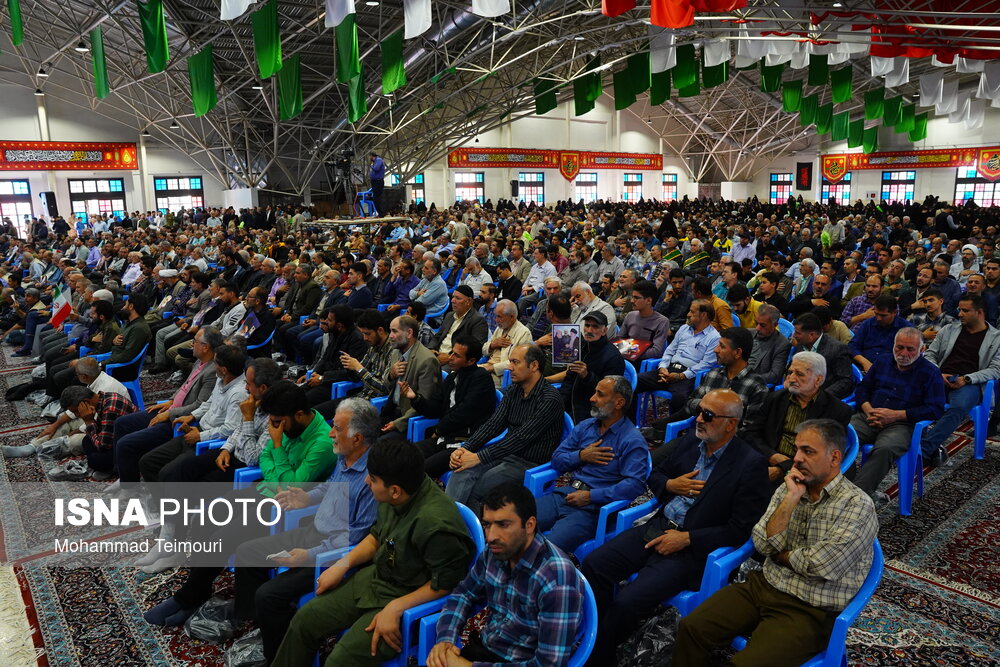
{"x": 967, "y": 379}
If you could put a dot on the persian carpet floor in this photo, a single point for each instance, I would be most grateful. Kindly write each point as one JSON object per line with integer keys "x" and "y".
{"x": 938, "y": 604}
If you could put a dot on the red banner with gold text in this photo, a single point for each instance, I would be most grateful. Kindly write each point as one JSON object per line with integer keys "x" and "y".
{"x": 45, "y": 155}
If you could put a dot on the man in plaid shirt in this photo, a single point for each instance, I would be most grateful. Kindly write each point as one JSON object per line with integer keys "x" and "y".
{"x": 532, "y": 589}
{"x": 99, "y": 412}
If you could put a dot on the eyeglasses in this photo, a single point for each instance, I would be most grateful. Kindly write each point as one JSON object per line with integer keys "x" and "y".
{"x": 707, "y": 415}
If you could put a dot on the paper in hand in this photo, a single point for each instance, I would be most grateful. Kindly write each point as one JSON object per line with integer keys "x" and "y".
{"x": 280, "y": 554}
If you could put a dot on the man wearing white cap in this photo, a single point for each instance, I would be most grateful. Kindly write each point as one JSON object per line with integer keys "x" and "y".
{"x": 173, "y": 286}
{"x": 968, "y": 264}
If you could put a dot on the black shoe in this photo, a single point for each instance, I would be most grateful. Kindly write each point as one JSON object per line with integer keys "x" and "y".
{"x": 939, "y": 458}
{"x": 652, "y": 434}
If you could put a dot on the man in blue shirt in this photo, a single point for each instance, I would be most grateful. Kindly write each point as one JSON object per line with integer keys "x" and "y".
{"x": 432, "y": 290}
{"x": 876, "y": 335}
{"x": 377, "y": 178}
{"x": 533, "y": 590}
{"x": 608, "y": 459}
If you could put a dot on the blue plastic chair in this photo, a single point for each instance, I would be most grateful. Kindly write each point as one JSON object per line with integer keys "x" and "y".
{"x": 438, "y": 314}
{"x": 910, "y": 467}
{"x": 631, "y": 375}
{"x": 267, "y": 341}
{"x": 586, "y": 634}
{"x": 382, "y": 307}
{"x": 835, "y": 654}
{"x": 134, "y": 390}
{"x": 858, "y": 377}
{"x": 341, "y": 389}
{"x": 736, "y": 320}
{"x": 643, "y": 398}
{"x": 851, "y": 453}
{"x": 981, "y": 418}
{"x": 786, "y": 328}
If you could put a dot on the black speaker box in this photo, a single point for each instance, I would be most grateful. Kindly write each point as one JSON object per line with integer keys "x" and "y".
{"x": 49, "y": 202}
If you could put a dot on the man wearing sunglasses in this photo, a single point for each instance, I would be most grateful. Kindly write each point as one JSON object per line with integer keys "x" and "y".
{"x": 713, "y": 489}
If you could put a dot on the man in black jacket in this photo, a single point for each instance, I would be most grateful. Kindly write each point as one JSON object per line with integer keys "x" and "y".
{"x": 508, "y": 284}
{"x": 809, "y": 337}
{"x": 463, "y": 401}
{"x": 599, "y": 359}
{"x": 801, "y": 399}
{"x": 713, "y": 489}
{"x": 820, "y": 296}
{"x": 461, "y": 320}
{"x": 340, "y": 335}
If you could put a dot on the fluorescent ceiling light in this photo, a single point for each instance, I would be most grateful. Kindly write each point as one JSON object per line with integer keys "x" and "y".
{"x": 38, "y": 92}
{"x": 81, "y": 47}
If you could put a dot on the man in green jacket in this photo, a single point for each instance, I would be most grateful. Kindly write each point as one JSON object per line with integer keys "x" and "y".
{"x": 418, "y": 550}
{"x": 134, "y": 336}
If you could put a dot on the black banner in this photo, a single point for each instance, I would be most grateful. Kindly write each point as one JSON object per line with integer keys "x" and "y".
{"x": 803, "y": 175}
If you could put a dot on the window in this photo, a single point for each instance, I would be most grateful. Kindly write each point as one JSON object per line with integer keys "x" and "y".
{"x": 531, "y": 187}
{"x": 586, "y": 186}
{"x": 470, "y": 186}
{"x": 416, "y": 186}
{"x": 670, "y": 187}
{"x": 15, "y": 203}
{"x": 632, "y": 187}
{"x": 176, "y": 192}
{"x": 840, "y": 191}
{"x": 898, "y": 185}
{"x": 101, "y": 196}
{"x": 781, "y": 188}
{"x": 970, "y": 185}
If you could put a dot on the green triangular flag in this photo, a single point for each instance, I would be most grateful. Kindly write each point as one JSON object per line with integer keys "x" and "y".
{"x": 855, "y": 133}
{"x": 770, "y": 77}
{"x": 266, "y": 40}
{"x": 869, "y": 143}
{"x": 201, "y": 75}
{"x": 357, "y": 99}
{"x": 892, "y": 111}
{"x": 807, "y": 113}
{"x": 714, "y": 76}
{"x": 685, "y": 72}
{"x": 290, "y": 89}
{"x": 638, "y": 71}
{"x": 154, "y": 34}
{"x": 659, "y": 88}
{"x": 545, "y": 96}
{"x": 874, "y": 104}
{"x": 16, "y": 25}
{"x": 791, "y": 96}
{"x": 689, "y": 91}
{"x": 348, "y": 55}
{"x": 839, "y": 126}
{"x": 842, "y": 84}
{"x": 906, "y": 119}
{"x": 919, "y": 131}
{"x": 824, "y": 118}
{"x": 393, "y": 73}
{"x": 819, "y": 70}
{"x": 101, "y": 88}
{"x": 624, "y": 95}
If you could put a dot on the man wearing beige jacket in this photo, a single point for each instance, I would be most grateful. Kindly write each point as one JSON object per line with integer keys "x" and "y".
{"x": 509, "y": 334}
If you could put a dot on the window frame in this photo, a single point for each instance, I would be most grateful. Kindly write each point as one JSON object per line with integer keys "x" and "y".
{"x": 972, "y": 185}
{"x": 195, "y": 196}
{"x": 20, "y": 202}
{"x": 531, "y": 189}
{"x": 778, "y": 185}
{"x": 891, "y": 182}
{"x": 669, "y": 183}
{"x": 585, "y": 189}
{"x": 631, "y": 185}
{"x": 476, "y": 185}
{"x": 826, "y": 186}
{"x": 416, "y": 186}
{"x": 91, "y": 190}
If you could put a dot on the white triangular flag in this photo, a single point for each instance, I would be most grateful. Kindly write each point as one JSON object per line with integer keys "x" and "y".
{"x": 337, "y": 11}
{"x": 975, "y": 114}
{"x": 949, "y": 98}
{"x": 233, "y": 9}
{"x": 931, "y": 88}
{"x": 662, "y": 49}
{"x": 900, "y": 74}
{"x": 490, "y": 8}
{"x": 881, "y": 66}
{"x": 968, "y": 65}
{"x": 989, "y": 81}
{"x": 715, "y": 52}
{"x": 416, "y": 17}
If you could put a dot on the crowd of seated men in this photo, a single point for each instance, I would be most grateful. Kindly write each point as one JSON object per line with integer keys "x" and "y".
{"x": 415, "y": 364}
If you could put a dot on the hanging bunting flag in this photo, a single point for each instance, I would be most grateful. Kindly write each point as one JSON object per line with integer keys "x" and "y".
{"x": 154, "y": 34}
{"x": 824, "y": 118}
{"x": 874, "y": 103}
{"x": 906, "y": 117}
{"x": 791, "y": 96}
{"x": 659, "y": 88}
{"x": 581, "y": 103}
{"x": 803, "y": 175}
{"x": 837, "y": 57}
{"x": 101, "y": 88}
{"x": 614, "y": 8}
{"x": 968, "y": 65}
{"x": 416, "y": 18}
{"x": 357, "y": 99}
{"x": 779, "y": 52}
{"x": 900, "y": 74}
{"x": 800, "y": 56}
{"x": 819, "y": 70}
{"x": 881, "y": 66}
{"x": 337, "y": 11}
{"x": 989, "y": 83}
{"x": 638, "y": 71}
{"x": 685, "y": 72}
{"x": 266, "y": 39}
{"x": 842, "y": 84}
{"x": 919, "y": 131}
{"x": 233, "y": 9}
{"x": 490, "y": 8}
{"x": 869, "y": 142}
{"x": 624, "y": 95}
{"x": 290, "y": 89}
{"x": 833, "y": 167}
{"x": 839, "y": 126}
{"x": 961, "y": 112}
{"x": 393, "y": 73}
{"x": 715, "y": 52}
{"x": 201, "y": 75}
{"x": 949, "y": 98}
{"x": 855, "y": 133}
{"x": 892, "y": 111}
{"x": 807, "y": 112}
{"x": 975, "y": 115}
{"x": 348, "y": 54}
{"x": 671, "y": 13}
{"x": 715, "y": 75}
{"x": 16, "y": 24}
{"x": 662, "y": 49}
{"x": 932, "y": 87}
{"x": 770, "y": 77}
{"x": 689, "y": 91}
{"x": 545, "y": 96}
{"x": 988, "y": 164}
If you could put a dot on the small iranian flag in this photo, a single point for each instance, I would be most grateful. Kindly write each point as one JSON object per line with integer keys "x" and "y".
{"x": 60, "y": 307}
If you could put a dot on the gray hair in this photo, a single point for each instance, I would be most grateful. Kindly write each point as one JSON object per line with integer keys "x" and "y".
{"x": 506, "y": 306}
{"x": 814, "y": 360}
{"x": 584, "y": 287}
{"x": 553, "y": 279}
{"x": 472, "y": 261}
{"x": 622, "y": 387}
{"x": 808, "y": 262}
{"x": 31, "y": 291}
{"x": 770, "y": 312}
{"x": 831, "y": 432}
{"x": 88, "y": 367}
{"x": 269, "y": 261}
{"x": 911, "y": 332}
{"x": 807, "y": 250}
{"x": 364, "y": 419}
{"x": 212, "y": 337}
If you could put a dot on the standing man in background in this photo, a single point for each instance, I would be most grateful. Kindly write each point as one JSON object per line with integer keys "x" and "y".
{"x": 377, "y": 177}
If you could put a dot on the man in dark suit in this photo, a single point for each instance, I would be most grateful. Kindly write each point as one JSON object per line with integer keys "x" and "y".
{"x": 508, "y": 284}
{"x": 821, "y": 296}
{"x": 714, "y": 488}
{"x": 412, "y": 364}
{"x": 809, "y": 337}
{"x": 773, "y": 433}
{"x": 340, "y": 335}
{"x": 461, "y": 320}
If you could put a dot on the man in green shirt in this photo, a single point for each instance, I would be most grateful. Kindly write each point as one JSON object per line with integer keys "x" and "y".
{"x": 417, "y": 551}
